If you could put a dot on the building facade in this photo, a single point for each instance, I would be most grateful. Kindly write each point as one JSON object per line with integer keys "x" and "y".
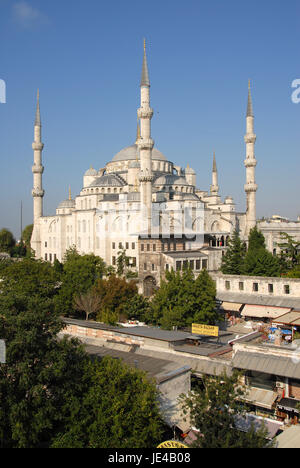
{"x": 141, "y": 199}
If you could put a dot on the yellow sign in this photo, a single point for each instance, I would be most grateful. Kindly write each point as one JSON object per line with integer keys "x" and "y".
{"x": 206, "y": 330}
{"x": 172, "y": 444}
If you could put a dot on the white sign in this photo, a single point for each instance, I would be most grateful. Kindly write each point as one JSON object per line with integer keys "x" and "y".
{"x": 2, "y": 352}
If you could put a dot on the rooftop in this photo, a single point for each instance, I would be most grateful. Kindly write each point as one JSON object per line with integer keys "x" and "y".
{"x": 159, "y": 369}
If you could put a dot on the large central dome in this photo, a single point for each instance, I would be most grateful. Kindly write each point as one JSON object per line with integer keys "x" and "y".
{"x": 131, "y": 153}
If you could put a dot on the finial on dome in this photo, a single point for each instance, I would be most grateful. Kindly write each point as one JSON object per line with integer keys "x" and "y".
{"x": 70, "y": 195}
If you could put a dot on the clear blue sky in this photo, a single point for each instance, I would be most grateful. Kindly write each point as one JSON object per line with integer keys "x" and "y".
{"x": 86, "y": 57}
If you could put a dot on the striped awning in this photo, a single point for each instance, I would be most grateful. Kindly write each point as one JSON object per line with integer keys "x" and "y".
{"x": 260, "y": 311}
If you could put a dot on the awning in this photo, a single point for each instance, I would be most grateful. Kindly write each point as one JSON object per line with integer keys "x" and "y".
{"x": 231, "y": 306}
{"x": 264, "y": 311}
{"x": 261, "y": 398}
{"x": 288, "y": 319}
{"x": 283, "y": 366}
{"x": 288, "y": 404}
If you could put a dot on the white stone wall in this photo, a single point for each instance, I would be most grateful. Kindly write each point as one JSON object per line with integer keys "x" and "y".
{"x": 223, "y": 282}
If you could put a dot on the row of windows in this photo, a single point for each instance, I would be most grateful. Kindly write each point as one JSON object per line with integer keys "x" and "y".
{"x": 103, "y": 190}
{"x": 166, "y": 247}
{"x": 255, "y": 287}
{"x": 121, "y": 247}
{"x": 50, "y": 257}
{"x": 147, "y": 247}
{"x": 192, "y": 264}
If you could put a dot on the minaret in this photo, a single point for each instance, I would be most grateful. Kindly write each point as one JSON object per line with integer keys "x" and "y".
{"x": 145, "y": 145}
{"x": 250, "y": 164}
{"x": 214, "y": 188}
{"x": 37, "y": 170}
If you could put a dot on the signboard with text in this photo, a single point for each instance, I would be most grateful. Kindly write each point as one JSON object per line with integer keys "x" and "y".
{"x": 205, "y": 330}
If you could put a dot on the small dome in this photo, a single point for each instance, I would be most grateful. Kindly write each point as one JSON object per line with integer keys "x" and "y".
{"x": 91, "y": 172}
{"x": 189, "y": 170}
{"x": 131, "y": 153}
{"x": 66, "y": 204}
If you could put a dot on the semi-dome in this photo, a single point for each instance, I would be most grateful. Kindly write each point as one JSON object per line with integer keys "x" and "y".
{"x": 170, "y": 180}
{"x": 109, "y": 180}
{"x": 131, "y": 153}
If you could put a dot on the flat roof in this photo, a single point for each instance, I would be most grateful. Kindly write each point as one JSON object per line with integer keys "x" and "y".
{"x": 185, "y": 254}
{"x": 159, "y": 369}
{"x": 259, "y": 299}
{"x": 145, "y": 332}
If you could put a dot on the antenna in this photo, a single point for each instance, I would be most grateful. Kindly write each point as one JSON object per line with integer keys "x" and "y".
{"x": 21, "y": 223}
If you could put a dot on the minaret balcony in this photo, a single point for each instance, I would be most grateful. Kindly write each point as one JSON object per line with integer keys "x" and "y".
{"x": 144, "y": 143}
{"x": 250, "y": 162}
{"x": 145, "y": 113}
{"x": 36, "y": 192}
{"x": 251, "y": 187}
{"x": 37, "y": 169}
{"x": 37, "y": 146}
{"x": 250, "y": 138}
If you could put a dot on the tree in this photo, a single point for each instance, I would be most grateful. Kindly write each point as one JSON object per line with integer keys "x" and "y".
{"x": 206, "y": 292}
{"x": 137, "y": 307}
{"x": 87, "y": 302}
{"x": 256, "y": 240}
{"x": 80, "y": 272}
{"x": 289, "y": 251}
{"x": 7, "y": 241}
{"x": 119, "y": 409}
{"x": 41, "y": 373}
{"x": 51, "y": 392}
{"x": 182, "y": 300}
{"x": 173, "y": 301}
{"x": 28, "y": 278}
{"x": 26, "y": 240}
{"x": 261, "y": 263}
{"x": 214, "y": 408}
{"x": 258, "y": 260}
{"x": 233, "y": 260}
{"x": 114, "y": 294}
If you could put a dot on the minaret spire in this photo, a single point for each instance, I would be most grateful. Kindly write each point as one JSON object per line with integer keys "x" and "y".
{"x": 145, "y": 81}
{"x": 250, "y": 164}
{"x": 37, "y": 170}
{"x": 145, "y": 145}
{"x": 249, "y": 106}
{"x": 214, "y": 188}
{"x": 38, "y": 112}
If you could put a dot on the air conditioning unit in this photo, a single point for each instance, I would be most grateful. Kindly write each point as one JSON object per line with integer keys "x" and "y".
{"x": 279, "y": 385}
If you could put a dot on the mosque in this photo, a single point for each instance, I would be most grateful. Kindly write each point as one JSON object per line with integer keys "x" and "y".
{"x": 145, "y": 205}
